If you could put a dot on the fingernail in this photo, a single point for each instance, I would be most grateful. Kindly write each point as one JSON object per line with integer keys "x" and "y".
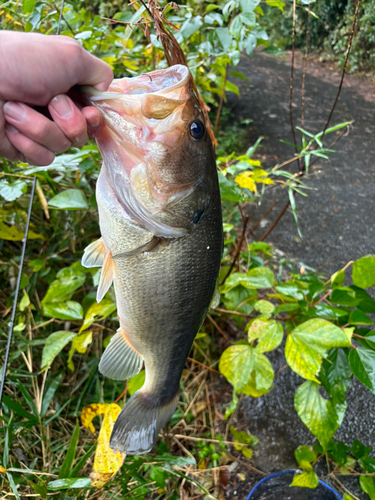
{"x": 15, "y": 111}
{"x": 80, "y": 138}
{"x": 95, "y": 121}
{"x": 10, "y": 128}
{"x": 62, "y": 106}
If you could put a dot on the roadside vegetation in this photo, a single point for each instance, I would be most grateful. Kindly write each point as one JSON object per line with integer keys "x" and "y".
{"x": 58, "y": 410}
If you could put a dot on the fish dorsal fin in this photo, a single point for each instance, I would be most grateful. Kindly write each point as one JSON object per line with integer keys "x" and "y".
{"x": 106, "y": 276}
{"x": 94, "y": 254}
{"x": 120, "y": 360}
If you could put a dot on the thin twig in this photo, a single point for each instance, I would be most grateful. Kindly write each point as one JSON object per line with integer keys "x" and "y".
{"x": 275, "y": 221}
{"x": 238, "y": 249}
{"x": 345, "y": 63}
{"x": 219, "y": 329}
{"x": 263, "y": 216}
{"x": 304, "y": 68}
{"x": 221, "y": 101}
{"x": 204, "y": 366}
{"x": 291, "y": 80}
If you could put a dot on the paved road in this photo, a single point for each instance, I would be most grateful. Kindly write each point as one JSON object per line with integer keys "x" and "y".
{"x": 338, "y": 218}
{"x": 337, "y": 221}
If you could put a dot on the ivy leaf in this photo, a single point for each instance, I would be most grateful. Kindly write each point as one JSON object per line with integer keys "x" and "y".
{"x": 11, "y": 192}
{"x": 70, "y": 199}
{"x": 68, "y": 280}
{"x": 136, "y": 382}
{"x": 359, "y": 318}
{"x": 236, "y": 27}
{"x": 268, "y": 333}
{"x": 305, "y": 454}
{"x": 362, "y": 363}
{"x": 225, "y": 38}
{"x": 308, "y": 343}
{"x": 316, "y": 413}
{"x": 55, "y": 343}
{"x": 368, "y": 486}
{"x": 305, "y": 480}
{"x": 190, "y": 26}
{"x": 363, "y": 274}
{"x": 69, "y": 310}
{"x": 97, "y": 312}
{"x": 335, "y": 369}
{"x": 239, "y": 362}
{"x": 265, "y": 307}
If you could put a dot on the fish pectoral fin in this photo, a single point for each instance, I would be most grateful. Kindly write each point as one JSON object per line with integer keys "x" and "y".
{"x": 106, "y": 276}
{"x": 138, "y": 425}
{"x": 146, "y": 247}
{"x": 94, "y": 254}
{"x": 120, "y": 360}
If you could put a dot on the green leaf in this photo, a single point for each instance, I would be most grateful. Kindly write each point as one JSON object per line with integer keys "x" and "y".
{"x": 305, "y": 480}
{"x": 305, "y": 454}
{"x": 68, "y": 280}
{"x": 347, "y": 497}
{"x": 366, "y": 302}
{"x": 24, "y": 302}
{"x": 49, "y": 393}
{"x": 224, "y": 38}
{"x": 65, "y": 484}
{"x": 265, "y": 307}
{"x": 28, "y": 6}
{"x": 362, "y": 363}
{"x": 55, "y": 343}
{"x": 82, "y": 461}
{"x": 337, "y": 278}
{"x": 11, "y": 192}
{"x": 248, "y": 18}
{"x": 344, "y": 296}
{"x": 316, "y": 413}
{"x": 28, "y": 398}
{"x": 17, "y": 408}
{"x": 236, "y": 27}
{"x": 308, "y": 343}
{"x": 69, "y": 311}
{"x": 335, "y": 369}
{"x": 259, "y": 277}
{"x": 368, "y": 486}
{"x": 268, "y": 333}
{"x": 370, "y": 339}
{"x": 190, "y": 26}
{"x": 13, "y": 233}
{"x": 363, "y": 274}
{"x": 97, "y": 312}
{"x": 136, "y": 382}
{"x": 292, "y": 289}
{"x": 359, "y": 450}
{"x": 70, "y": 199}
{"x": 66, "y": 466}
{"x": 359, "y": 318}
{"x": 238, "y": 363}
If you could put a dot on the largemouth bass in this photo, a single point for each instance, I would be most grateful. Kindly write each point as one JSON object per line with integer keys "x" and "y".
{"x": 160, "y": 220}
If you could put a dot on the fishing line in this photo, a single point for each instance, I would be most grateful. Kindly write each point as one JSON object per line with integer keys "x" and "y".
{"x": 11, "y": 323}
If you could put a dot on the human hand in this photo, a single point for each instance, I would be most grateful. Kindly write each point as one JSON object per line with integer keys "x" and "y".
{"x": 38, "y": 70}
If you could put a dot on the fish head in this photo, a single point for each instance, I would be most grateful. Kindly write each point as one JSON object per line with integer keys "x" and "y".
{"x": 157, "y": 151}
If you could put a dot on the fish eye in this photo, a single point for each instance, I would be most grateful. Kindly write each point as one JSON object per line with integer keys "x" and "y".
{"x": 197, "y": 130}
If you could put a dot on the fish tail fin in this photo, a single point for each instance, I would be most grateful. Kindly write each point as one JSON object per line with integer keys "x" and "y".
{"x": 138, "y": 425}
{"x": 120, "y": 360}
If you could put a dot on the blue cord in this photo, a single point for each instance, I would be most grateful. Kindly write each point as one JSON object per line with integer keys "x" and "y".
{"x": 289, "y": 472}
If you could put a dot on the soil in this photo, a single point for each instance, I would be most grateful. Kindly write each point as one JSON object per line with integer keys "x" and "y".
{"x": 337, "y": 224}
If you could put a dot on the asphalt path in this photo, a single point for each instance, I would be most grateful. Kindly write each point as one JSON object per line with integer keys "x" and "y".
{"x": 337, "y": 223}
{"x": 337, "y": 219}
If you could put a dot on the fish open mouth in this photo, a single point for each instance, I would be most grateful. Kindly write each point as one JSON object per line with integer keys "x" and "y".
{"x": 146, "y": 118}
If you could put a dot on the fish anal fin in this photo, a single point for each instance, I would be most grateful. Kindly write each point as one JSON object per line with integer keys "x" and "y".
{"x": 139, "y": 423}
{"x": 120, "y": 360}
{"x": 106, "y": 276}
{"x": 94, "y": 254}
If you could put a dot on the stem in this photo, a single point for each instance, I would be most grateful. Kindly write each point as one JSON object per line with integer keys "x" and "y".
{"x": 238, "y": 249}
{"x": 221, "y": 101}
{"x": 276, "y": 221}
{"x": 292, "y": 78}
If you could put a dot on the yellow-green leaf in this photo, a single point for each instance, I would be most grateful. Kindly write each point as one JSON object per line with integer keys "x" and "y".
{"x": 308, "y": 344}
{"x": 268, "y": 333}
{"x": 305, "y": 480}
{"x": 97, "y": 312}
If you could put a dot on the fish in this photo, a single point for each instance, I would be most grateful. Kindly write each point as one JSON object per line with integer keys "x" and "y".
{"x": 161, "y": 239}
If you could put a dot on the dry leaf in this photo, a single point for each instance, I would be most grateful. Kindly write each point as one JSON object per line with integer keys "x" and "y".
{"x": 107, "y": 462}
